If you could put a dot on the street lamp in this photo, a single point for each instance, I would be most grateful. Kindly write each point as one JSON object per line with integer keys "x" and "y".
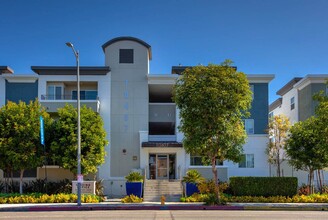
{"x": 76, "y": 53}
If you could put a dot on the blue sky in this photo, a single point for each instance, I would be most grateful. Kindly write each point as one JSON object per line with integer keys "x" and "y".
{"x": 287, "y": 38}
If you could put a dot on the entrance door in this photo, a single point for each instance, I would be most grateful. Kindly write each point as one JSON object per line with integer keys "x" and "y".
{"x": 162, "y": 166}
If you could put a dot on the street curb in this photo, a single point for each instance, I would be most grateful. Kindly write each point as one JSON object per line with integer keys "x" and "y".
{"x": 103, "y": 207}
{"x": 117, "y": 207}
{"x": 280, "y": 208}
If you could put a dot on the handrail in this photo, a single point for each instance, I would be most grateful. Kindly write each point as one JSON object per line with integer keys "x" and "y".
{"x": 68, "y": 97}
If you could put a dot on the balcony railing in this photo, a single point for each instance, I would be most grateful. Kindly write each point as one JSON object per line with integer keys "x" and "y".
{"x": 68, "y": 97}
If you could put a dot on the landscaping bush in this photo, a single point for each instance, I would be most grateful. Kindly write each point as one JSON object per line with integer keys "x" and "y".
{"x": 38, "y": 186}
{"x": 131, "y": 199}
{"x": 208, "y": 199}
{"x": 207, "y": 187}
{"x": 304, "y": 190}
{"x": 44, "y": 198}
{"x": 263, "y": 186}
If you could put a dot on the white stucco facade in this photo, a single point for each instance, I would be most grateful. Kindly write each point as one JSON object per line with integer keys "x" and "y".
{"x": 140, "y": 118}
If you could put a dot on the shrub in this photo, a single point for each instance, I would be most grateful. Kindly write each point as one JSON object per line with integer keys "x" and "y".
{"x": 212, "y": 199}
{"x": 263, "y": 186}
{"x": 208, "y": 186}
{"x": 134, "y": 177}
{"x": 304, "y": 190}
{"x": 193, "y": 176}
{"x": 44, "y": 198}
{"x": 131, "y": 199}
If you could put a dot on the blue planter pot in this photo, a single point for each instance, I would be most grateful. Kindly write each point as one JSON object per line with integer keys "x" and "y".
{"x": 191, "y": 188}
{"x": 134, "y": 188}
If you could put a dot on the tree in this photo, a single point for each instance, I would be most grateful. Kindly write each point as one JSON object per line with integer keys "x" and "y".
{"x": 306, "y": 149}
{"x": 93, "y": 140}
{"x": 278, "y": 128}
{"x": 20, "y": 146}
{"x": 212, "y": 101}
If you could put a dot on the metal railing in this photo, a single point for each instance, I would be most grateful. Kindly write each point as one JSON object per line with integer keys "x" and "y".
{"x": 68, "y": 97}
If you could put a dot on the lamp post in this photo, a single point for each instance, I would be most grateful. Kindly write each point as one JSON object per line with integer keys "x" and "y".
{"x": 76, "y": 53}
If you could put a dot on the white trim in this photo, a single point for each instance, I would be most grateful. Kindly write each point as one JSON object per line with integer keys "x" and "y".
{"x": 163, "y": 79}
{"x": 20, "y": 78}
{"x": 260, "y": 78}
{"x": 311, "y": 78}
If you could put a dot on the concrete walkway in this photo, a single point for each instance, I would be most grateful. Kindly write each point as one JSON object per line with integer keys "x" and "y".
{"x": 115, "y": 204}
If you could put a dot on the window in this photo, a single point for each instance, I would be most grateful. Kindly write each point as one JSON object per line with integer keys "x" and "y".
{"x": 270, "y": 115}
{"x": 247, "y": 161}
{"x": 85, "y": 95}
{"x": 126, "y": 55}
{"x": 292, "y": 103}
{"x": 252, "y": 89}
{"x": 249, "y": 126}
{"x": 54, "y": 92}
{"x": 196, "y": 160}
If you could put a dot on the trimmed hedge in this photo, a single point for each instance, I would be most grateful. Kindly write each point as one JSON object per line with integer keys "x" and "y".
{"x": 263, "y": 186}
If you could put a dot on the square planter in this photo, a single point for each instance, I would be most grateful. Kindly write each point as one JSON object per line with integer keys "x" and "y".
{"x": 134, "y": 188}
{"x": 191, "y": 188}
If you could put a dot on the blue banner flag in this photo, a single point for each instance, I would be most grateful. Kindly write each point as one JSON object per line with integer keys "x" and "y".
{"x": 41, "y": 130}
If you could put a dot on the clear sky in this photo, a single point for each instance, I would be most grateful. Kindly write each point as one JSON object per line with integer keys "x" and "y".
{"x": 287, "y": 38}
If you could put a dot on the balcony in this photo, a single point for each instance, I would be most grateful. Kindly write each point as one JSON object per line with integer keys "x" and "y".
{"x": 53, "y": 102}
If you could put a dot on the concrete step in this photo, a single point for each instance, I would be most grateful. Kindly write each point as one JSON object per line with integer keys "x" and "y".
{"x": 154, "y": 189}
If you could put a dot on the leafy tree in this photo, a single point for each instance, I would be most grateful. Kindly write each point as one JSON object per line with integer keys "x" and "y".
{"x": 93, "y": 140}
{"x": 278, "y": 128}
{"x": 306, "y": 149}
{"x": 212, "y": 101}
{"x": 20, "y": 146}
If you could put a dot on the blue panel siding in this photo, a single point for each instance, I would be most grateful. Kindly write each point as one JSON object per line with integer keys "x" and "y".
{"x": 260, "y": 108}
{"x": 21, "y": 91}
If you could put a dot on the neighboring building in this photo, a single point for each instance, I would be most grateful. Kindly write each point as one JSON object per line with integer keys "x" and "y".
{"x": 296, "y": 102}
{"x": 140, "y": 118}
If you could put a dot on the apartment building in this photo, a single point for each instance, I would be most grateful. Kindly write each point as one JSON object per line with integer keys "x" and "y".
{"x": 140, "y": 118}
{"x": 296, "y": 102}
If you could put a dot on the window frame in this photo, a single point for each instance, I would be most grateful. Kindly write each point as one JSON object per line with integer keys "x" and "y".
{"x": 54, "y": 95}
{"x": 199, "y": 158}
{"x": 245, "y": 125}
{"x": 248, "y": 161}
{"x": 125, "y": 57}
{"x": 292, "y": 103}
{"x": 74, "y": 96}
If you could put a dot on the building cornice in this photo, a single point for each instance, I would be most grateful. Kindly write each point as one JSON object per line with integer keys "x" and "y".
{"x": 162, "y": 78}
{"x": 311, "y": 78}
{"x": 28, "y": 78}
{"x": 260, "y": 78}
{"x": 275, "y": 104}
{"x": 6, "y": 69}
{"x": 70, "y": 70}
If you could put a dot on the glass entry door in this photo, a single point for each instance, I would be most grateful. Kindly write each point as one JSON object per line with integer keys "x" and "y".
{"x": 162, "y": 166}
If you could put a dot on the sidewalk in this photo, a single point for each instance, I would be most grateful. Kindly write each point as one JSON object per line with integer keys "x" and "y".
{"x": 117, "y": 205}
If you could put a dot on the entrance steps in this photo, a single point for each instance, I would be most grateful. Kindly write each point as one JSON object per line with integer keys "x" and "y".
{"x": 154, "y": 189}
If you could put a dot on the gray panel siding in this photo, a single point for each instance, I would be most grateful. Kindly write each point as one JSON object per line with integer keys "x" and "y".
{"x": 315, "y": 88}
{"x": 21, "y": 91}
{"x": 306, "y": 104}
{"x": 259, "y": 110}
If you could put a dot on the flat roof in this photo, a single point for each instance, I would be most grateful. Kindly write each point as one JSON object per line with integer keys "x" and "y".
{"x": 288, "y": 86}
{"x": 70, "y": 70}
{"x": 275, "y": 104}
{"x": 6, "y": 69}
